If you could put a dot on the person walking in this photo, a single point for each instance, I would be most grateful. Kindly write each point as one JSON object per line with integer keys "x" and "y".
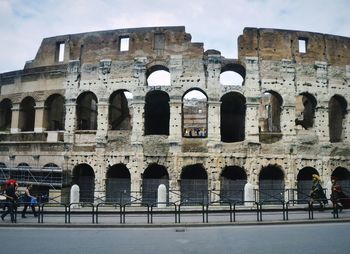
{"x": 317, "y": 193}
{"x": 11, "y": 202}
{"x": 29, "y": 200}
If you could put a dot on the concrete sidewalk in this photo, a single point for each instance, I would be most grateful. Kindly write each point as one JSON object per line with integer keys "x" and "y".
{"x": 165, "y": 217}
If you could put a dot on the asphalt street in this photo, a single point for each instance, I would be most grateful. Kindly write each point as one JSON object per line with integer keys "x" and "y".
{"x": 323, "y": 238}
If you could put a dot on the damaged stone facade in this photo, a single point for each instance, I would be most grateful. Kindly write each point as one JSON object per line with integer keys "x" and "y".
{"x": 85, "y": 106}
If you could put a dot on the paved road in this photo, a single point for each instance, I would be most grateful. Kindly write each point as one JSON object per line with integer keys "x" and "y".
{"x": 308, "y": 238}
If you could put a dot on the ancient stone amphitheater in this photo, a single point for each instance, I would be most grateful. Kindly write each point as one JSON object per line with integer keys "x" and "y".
{"x": 120, "y": 112}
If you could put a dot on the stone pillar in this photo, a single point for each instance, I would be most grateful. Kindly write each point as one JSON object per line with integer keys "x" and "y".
{"x": 249, "y": 195}
{"x": 74, "y": 195}
{"x": 102, "y": 122}
{"x": 71, "y": 93}
{"x": 322, "y": 123}
{"x": 137, "y": 121}
{"x": 70, "y": 123}
{"x": 39, "y": 117}
{"x": 175, "y": 123}
{"x": 161, "y": 196}
{"x": 15, "y": 118}
{"x": 252, "y": 120}
{"x": 214, "y": 123}
{"x": 252, "y": 93}
{"x": 288, "y": 122}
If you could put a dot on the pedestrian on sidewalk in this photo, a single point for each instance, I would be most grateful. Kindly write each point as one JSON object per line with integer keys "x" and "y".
{"x": 11, "y": 201}
{"x": 317, "y": 194}
{"x": 29, "y": 200}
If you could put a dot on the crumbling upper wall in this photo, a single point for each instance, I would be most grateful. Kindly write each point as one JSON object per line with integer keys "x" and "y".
{"x": 94, "y": 46}
{"x": 276, "y": 44}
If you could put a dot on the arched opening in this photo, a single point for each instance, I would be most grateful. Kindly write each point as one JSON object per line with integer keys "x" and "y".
{"x": 337, "y": 108}
{"x": 343, "y": 178}
{"x": 27, "y": 114}
{"x": 157, "y": 113}
{"x": 194, "y": 184}
{"x": 305, "y": 110}
{"x": 271, "y": 184}
{"x": 232, "y": 117}
{"x": 119, "y": 115}
{"x": 269, "y": 117}
{"x": 54, "y": 113}
{"x": 87, "y": 111}
{"x": 118, "y": 184}
{"x": 158, "y": 75}
{"x": 232, "y": 74}
{"x": 5, "y": 115}
{"x": 194, "y": 114}
{"x": 152, "y": 177}
{"x": 233, "y": 179}
{"x": 84, "y": 177}
{"x": 304, "y": 183}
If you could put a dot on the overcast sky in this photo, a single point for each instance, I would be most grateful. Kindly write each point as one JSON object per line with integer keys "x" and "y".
{"x": 216, "y": 23}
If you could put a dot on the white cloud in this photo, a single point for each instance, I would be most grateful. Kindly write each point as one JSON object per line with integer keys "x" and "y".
{"x": 23, "y": 24}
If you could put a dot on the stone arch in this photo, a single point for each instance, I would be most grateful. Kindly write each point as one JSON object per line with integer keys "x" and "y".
{"x": 84, "y": 177}
{"x": 232, "y": 74}
{"x": 194, "y": 114}
{"x": 270, "y": 117}
{"x": 305, "y": 110}
{"x": 54, "y": 112}
{"x": 194, "y": 184}
{"x": 158, "y": 75}
{"x": 87, "y": 111}
{"x": 118, "y": 184}
{"x": 304, "y": 182}
{"x": 233, "y": 180}
{"x": 157, "y": 113}
{"x": 119, "y": 114}
{"x": 5, "y": 114}
{"x": 152, "y": 177}
{"x": 232, "y": 117}
{"x": 271, "y": 184}
{"x": 343, "y": 177}
{"x": 27, "y": 114}
{"x": 337, "y": 109}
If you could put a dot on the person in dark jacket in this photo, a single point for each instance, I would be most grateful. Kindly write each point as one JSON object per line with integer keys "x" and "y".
{"x": 11, "y": 201}
{"x": 317, "y": 194}
{"x": 28, "y": 201}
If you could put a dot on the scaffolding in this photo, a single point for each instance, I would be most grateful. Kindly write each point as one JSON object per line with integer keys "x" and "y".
{"x": 45, "y": 176}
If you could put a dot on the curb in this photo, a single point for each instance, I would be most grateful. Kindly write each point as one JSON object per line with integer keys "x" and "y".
{"x": 173, "y": 225}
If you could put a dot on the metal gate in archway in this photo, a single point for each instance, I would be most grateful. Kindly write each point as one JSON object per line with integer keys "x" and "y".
{"x": 271, "y": 190}
{"x": 194, "y": 191}
{"x": 150, "y": 189}
{"x": 87, "y": 188}
{"x": 118, "y": 190}
{"x": 232, "y": 190}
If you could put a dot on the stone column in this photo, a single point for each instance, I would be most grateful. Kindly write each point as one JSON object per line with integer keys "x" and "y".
{"x": 288, "y": 122}
{"x": 102, "y": 122}
{"x": 70, "y": 123}
{"x": 252, "y": 120}
{"x": 39, "y": 117}
{"x": 252, "y": 93}
{"x": 214, "y": 123}
{"x": 71, "y": 93}
{"x": 137, "y": 121}
{"x": 175, "y": 123}
{"x": 15, "y": 118}
{"x": 322, "y": 122}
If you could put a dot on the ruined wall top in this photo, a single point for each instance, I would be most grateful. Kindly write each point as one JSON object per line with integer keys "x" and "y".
{"x": 95, "y": 46}
{"x": 276, "y": 44}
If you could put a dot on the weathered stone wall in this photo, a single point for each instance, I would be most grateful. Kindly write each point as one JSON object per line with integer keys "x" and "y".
{"x": 270, "y": 60}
